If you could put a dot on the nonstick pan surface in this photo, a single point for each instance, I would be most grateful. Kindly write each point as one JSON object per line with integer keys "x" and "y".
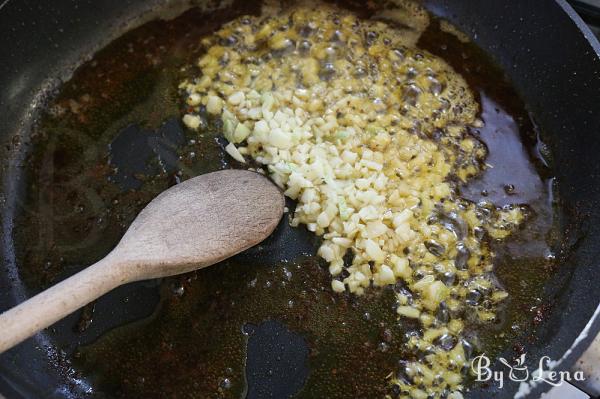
{"x": 546, "y": 51}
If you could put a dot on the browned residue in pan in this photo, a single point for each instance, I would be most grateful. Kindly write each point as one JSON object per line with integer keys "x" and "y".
{"x": 73, "y": 215}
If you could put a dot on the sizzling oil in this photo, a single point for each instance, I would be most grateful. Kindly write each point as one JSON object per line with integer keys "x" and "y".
{"x": 193, "y": 344}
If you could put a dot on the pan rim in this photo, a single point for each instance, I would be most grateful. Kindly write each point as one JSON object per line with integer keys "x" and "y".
{"x": 592, "y": 328}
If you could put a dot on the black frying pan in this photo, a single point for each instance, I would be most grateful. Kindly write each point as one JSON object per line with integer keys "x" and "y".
{"x": 544, "y": 48}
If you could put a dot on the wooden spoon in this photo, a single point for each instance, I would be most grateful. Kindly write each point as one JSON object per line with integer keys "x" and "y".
{"x": 190, "y": 226}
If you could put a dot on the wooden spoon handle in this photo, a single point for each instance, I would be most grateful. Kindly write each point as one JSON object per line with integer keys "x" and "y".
{"x": 47, "y": 307}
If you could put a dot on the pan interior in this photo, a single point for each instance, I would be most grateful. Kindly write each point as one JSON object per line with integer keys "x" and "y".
{"x": 111, "y": 140}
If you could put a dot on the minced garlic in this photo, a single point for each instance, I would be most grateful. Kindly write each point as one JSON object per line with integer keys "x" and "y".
{"x": 371, "y": 137}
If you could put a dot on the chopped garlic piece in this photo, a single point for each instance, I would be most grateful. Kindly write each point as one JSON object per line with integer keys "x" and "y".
{"x": 234, "y": 152}
{"x": 214, "y": 105}
{"x": 194, "y": 99}
{"x": 337, "y": 286}
{"x": 192, "y": 121}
